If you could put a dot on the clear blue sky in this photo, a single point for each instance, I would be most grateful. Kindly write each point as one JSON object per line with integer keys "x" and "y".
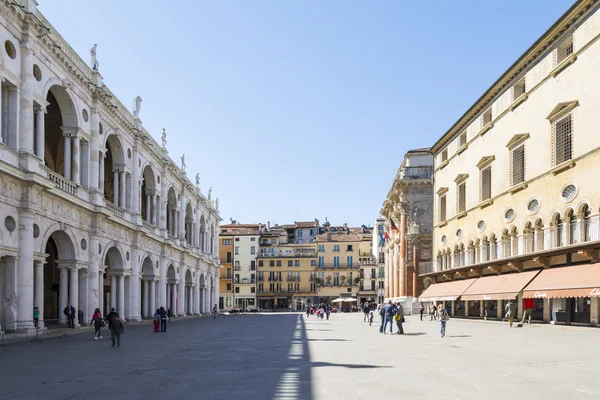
{"x": 294, "y": 110}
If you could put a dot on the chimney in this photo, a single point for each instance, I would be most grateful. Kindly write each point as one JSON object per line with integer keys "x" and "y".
{"x": 268, "y": 225}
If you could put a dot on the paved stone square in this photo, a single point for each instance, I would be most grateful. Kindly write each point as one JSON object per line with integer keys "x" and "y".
{"x": 286, "y": 356}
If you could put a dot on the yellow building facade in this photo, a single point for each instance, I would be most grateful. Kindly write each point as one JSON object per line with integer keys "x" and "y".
{"x": 226, "y": 273}
{"x": 338, "y": 269}
{"x": 285, "y": 272}
{"x": 515, "y": 189}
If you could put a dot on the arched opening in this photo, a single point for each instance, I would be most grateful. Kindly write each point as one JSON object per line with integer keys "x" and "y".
{"x": 149, "y": 197}
{"x": 189, "y": 221}
{"x": 172, "y": 223}
{"x": 514, "y": 241}
{"x": 485, "y": 249}
{"x": 492, "y": 241}
{"x": 462, "y": 255}
{"x": 61, "y": 278}
{"x": 189, "y": 287}
{"x": 477, "y": 251}
{"x": 61, "y": 149}
{"x": 439, "y": 260}
{"x": 456, "y": 256}
{"x": 113, "y": 280}
{"x": 115, "y": 185}
{"x": 528, "y": 237}
{"x": 171, "y": 289}
{"x": 505, "y": 244}
{"x": 149, "y": 289}
{"x": 588, "y": 232}
{"x": 538, "y": 235}
{"x": 470, "y": 253}
{"x": 558, "y": 230}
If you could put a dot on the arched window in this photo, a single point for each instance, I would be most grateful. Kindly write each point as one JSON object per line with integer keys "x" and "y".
{"x": 589, "y": 234}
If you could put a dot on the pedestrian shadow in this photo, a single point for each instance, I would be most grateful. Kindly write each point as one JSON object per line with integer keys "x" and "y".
{"x": 458, "y": 336}
{"x": 415, "y": 333}
{"x": 352, "y": 366}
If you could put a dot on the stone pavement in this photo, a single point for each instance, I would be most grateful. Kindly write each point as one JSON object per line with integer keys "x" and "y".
{"x": 286, "y": 356}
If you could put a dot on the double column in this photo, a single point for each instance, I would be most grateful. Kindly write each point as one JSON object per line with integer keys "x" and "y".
{"x": 149, "y": 300}
{"x": 119, "y": 188}
{"x": 151, "y": 214}
{"x": 72, "y": 170}
{"x": 117, "y": 293}
{"x": 40, "y": 135}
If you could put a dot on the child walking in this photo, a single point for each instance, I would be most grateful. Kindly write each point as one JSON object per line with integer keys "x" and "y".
{"x": 370, "y": 318}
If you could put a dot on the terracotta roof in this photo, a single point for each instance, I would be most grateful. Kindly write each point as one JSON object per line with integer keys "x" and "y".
{"x": 422, "y": 150}
{"x": 310, "y": 224}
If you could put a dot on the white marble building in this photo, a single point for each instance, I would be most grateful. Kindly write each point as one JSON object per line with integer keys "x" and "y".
{"x": 92, "y": 210}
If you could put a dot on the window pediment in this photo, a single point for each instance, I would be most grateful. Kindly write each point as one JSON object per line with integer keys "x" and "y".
{"x": 485, "y": 160}
{"x": 460, "y": 178}
{"x": 517, "y": 139}
{"x": 442, "y": 190}
{"x": 562, "y": 108}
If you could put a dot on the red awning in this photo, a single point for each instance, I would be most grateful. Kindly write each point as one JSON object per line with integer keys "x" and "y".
{"x": 574, "y": 281}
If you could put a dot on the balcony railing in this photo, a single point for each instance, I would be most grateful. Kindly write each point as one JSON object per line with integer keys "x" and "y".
{"x": 416, "y": 173}
{"x": 342, "y": 266}
{"x": 246, "y": 281}
{"x": 536, "y": 243}
{"x": 293, "y": 279}
{"x": 62, "y": 183}
{"x": 148, "y": 224}
{"x": 117, "y": 211}
{"x": 285, "y": 255}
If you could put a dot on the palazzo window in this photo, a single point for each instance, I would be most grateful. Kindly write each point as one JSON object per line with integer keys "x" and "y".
{"x": 517, "y": 165}
{"x": 462, "y": 139}
{"x": 519, "y": 89}
{"x": 461, "y": 197}
{"x": 486, "y": 118}
{"x": 562, "y": 139}
{"x": 564, "y": 49}
{"x": 442, "y": 208}
{"x": 485, "y": 183}
{"x": 445, "y": 155}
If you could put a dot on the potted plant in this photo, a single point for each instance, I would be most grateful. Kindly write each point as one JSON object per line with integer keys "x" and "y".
{"x": 357, "y": 280}
{"x": 343, "y": 278}
{"x": 319, "y": 281}
{"x": 328, "y": 279}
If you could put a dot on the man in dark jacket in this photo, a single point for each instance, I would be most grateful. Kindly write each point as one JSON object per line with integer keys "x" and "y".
{"x": 70, "y": 312}
{"x": 109, "y": 317}
{"x": 388, "y": 311}
{"x": 116, "y": 330}
{"x": 163, "y": 319}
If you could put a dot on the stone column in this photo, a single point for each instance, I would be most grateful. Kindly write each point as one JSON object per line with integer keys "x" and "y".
{"x": 122, "y": 190}
{"x": 547, "y": 310}
{"x": 75, "y": 167}
{"x": 595, "y": 311}
{"x": 416, "y": 280}
{"x": 162, "y": 285}
{"x": 145, "y": 304}
{"x": 40, "y": 138}
{"x": 25, "y": 143}
{"x": 101, "y": 172}
{"x": 148, "y": 208}
{"x": 25, "y": 268}
{"x": 155, "y": 210}
{"x": 393, "y": 271}
{"x": 520, "y": 306}
{"x": 10, "y": 264}
{"x": 38, "y": 295}
{"x": 121, "y": 306}
{"x": 499, "y": 310}
{"x": 113, "y": 292}
{"x": 481, "y": 308}
{"x": 402, "y": 286}
{"x": 92, "y": 277}
{"x": 95, "y": 144}
{"x": 101, "y": 290}
{"x": 63, "y": 294}
{"x": 127, "y": 296}
{"x": 466, "y": 311}
{"x": 83, "y": 294}
{"x": 116, "y": 186}
{"x": 181, "y": 298}
{"x": 74, "y": 290}
{"x": 67, "y": 155}
{"x": 152, "y": 297}
{"x": 197, "y": 295}
{"x": 453, "y": 307}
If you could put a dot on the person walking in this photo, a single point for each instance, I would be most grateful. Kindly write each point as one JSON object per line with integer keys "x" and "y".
{"x": 97, "y": 321}
{"x": 70, "y": 312}
{"x": 163, "y": 319}
{"x": 528, "y": 306}
{"x": 421, "y": 310}
{"x": 381, "y": 317}
{"x": 156, "y": 320}
{"x": 36, "y": 316}
{"x": 109, "y": 317}
{"x": 327, "y": 311}
{"x": 399, "y": 317}
{"x": 116, "y": 330}
{"x": 307, "y": 311}
{"x": 444, "y": 318}
{"x": 215, "y": 310}
{"x": 510, "y": 312}
{"x": 431, "y": 312}
{"x": 371, "y": 318}
{"x": 366, "y": 312}
{"x": 389, "y": 311}
{"x": 169, "y": 314}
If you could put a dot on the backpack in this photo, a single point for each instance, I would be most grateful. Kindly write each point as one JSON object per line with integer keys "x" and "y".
{"x": 156, "y": 317}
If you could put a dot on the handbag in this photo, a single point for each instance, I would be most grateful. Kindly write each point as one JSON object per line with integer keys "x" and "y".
{"x": 396, "y": 317}
{"x": 403, "y": 320}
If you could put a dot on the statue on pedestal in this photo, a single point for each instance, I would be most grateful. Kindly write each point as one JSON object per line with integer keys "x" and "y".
{"x": 183, "y": 163}
{"x": 94, "y": 62}
{"x": 209, "y": 193}
{"x": 164, "y": 138}
{"x": 197, "y": 180}
{"x": 137, "y": 105}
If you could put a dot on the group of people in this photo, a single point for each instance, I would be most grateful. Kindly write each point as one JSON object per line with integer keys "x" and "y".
{"x": 389, "y": 313}
{"x": 115, "y": 326}
{"x": 321, "y": 311}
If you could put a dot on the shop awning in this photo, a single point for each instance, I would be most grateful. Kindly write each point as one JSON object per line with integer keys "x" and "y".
{"x": 574, "y": 281}
{"x": 446, "y": 291}
{"x": 498, "y": 287}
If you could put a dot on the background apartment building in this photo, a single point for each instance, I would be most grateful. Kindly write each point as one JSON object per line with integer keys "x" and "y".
{"x": 226, "y": 273}
{"x": 379, "y": 255}
{"x": 516, "y": 189}
{"x": 285, "y": 272}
